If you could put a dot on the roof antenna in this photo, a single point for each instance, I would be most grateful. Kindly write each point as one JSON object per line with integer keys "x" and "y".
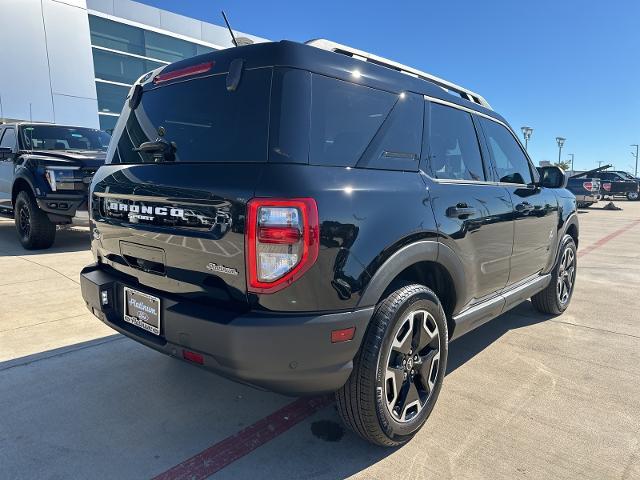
{"x": 233, "y": 37}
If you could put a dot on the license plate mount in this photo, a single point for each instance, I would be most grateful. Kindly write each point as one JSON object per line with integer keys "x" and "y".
{"x": 142, "y": 310}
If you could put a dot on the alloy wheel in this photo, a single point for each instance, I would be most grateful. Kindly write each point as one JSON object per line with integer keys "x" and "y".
{"x": 566, "y": 275}
{"x": 24, "y": 221}
{"x": 412, "y": 365}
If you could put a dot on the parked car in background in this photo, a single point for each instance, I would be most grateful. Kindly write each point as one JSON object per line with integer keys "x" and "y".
{"x": 45, "y": 172}
{"x": 586, "y": 190}
{"x": 626, "y": 176}
{"x": 314, "y": 218}
{"x": 614, "y": 183}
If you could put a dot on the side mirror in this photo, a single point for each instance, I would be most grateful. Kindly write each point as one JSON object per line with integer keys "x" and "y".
{"x": 552, "y": 177}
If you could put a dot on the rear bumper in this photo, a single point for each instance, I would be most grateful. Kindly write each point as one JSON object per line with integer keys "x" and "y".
{"x": 285, "y": 353}
{"x": 587, "y": 198}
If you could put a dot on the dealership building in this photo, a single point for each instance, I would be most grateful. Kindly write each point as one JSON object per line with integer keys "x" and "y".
{"x": 73, "y": 61}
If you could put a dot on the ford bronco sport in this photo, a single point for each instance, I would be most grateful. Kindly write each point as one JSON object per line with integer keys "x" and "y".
{"x": 45, "y": 172}
{"x": 310, "y": 218}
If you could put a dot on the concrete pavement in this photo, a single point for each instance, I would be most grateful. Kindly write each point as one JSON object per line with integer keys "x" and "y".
{"x": 525, "y": 397}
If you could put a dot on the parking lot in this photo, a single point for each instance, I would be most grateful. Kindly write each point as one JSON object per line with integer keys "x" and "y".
{"x": 526, "y": 396}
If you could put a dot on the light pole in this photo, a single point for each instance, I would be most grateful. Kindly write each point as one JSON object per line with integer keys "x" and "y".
{"x": 560, "y": 141}
{"x": 526, "y": 133}
{"x": 571, "y": 155}
{"x": 635, "y": 155}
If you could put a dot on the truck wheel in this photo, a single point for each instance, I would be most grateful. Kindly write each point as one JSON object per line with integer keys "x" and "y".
{"x": 633, "y": 196}
{"x": 35, "y": 230}
{"x": 398, "y": 371}
{"x": 556, "y": 297}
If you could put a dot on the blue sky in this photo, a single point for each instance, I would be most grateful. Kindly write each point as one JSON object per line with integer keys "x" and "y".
{"x": 566, "y": 67}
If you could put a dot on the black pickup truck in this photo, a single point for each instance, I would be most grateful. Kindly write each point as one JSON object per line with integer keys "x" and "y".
{"x": 313, "y": 218}
{"x": 613, "y": 183}
{"x": 45, "y": 172}
{"x": 586, "y": 190}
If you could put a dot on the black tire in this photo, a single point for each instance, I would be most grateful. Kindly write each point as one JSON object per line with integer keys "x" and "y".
{"x": 632, "y": 196}
{"x": 552, "y": 299}
{"x": 363, "y": 402}
{"x": 34, "y": 228}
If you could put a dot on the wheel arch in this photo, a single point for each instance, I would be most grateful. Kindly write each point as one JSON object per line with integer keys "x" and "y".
{"x": 21, "y": 184}
{"x": 426, "y": 262}
{"x": 573, "y": 230}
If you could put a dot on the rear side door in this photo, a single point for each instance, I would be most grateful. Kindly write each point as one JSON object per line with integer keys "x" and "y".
{"x": 535, "y": 209}
{"x": 472, "y": 211}
{"x": 8, "y": 139}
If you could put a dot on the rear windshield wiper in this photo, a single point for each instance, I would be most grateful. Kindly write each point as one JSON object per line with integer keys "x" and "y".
{"x": 161, "y": 150}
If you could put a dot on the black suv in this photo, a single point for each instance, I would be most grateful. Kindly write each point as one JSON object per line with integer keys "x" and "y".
{"x": 311, "y": 218}
{"x": 45, "y": 172}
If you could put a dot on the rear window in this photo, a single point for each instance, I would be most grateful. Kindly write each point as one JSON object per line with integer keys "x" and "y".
{"x": 205, "y": 121}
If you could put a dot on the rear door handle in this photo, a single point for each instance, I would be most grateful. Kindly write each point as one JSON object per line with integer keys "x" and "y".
{"x": 461, "y": 210}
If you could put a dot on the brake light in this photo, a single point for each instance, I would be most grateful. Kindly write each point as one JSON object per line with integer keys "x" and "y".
{"x": 588, "y": 186}
{"x": 607, "y": 186}
{"x": 183, "y": 72}
{"x": 282, "y": 241}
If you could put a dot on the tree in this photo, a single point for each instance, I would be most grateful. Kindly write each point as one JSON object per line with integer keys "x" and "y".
{"x": 564, "y": 165}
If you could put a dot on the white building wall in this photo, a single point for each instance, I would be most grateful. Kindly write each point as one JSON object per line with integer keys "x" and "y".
{"x": 47, "y": 46}
{"x": 190, "y": 28}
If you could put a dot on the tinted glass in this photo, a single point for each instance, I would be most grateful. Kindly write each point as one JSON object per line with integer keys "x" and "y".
{"x": 511, "y": 163}
{"x": 200, "y": 49}
{"x": 9, "y": 138}
{"x": 107, "y": 122}
{"x": 167, "y": 48}
{"x": 111, "y": 97}
{"x": 116, "y": 36}
{"x": 454, "y": 152}
{"x": 290, "y": 106}
{"x": 344, "y": 119}
{"x": 55, "y": 137}
{"x": 120, "y": 68}
{"x": 397, "y": 144}
{"x": 206, "y": 122}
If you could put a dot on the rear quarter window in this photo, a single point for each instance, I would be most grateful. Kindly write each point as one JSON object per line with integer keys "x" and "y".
{"x": 344, "y": 119}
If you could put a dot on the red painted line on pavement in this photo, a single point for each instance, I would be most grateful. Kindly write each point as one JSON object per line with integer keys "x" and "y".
{"x": 227, "y": 451}
{"x": 607, "y": 239}
{"x": 232, "y": 448}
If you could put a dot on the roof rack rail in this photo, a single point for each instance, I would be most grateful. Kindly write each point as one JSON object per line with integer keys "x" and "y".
{"x": 371, "y": 58}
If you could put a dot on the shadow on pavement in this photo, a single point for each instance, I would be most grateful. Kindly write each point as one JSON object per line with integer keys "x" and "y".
{"x": 68, "y": 239}
{"x": 468, "y": 346}
{"x": 111, "y": 407}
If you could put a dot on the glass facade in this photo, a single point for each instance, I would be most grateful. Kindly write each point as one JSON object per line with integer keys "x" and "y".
{"x": 123, "y": 53}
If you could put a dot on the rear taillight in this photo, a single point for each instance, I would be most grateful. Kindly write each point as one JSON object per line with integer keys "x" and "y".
{"x": 282, "y": 241}
{"x": 607, "y": 186}
{"x": 588, "y": 186}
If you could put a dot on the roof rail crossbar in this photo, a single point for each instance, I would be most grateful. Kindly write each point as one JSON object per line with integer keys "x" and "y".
{"x": 371, "y": 58}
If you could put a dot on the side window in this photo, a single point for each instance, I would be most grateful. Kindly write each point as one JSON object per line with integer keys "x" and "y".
{"x": 511, "y": 163}
{"x": 9, "y": 139}
{"x": 398, "y": 142}
{"x": 344, "y": 119}
{"x": 454, "y": 152}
